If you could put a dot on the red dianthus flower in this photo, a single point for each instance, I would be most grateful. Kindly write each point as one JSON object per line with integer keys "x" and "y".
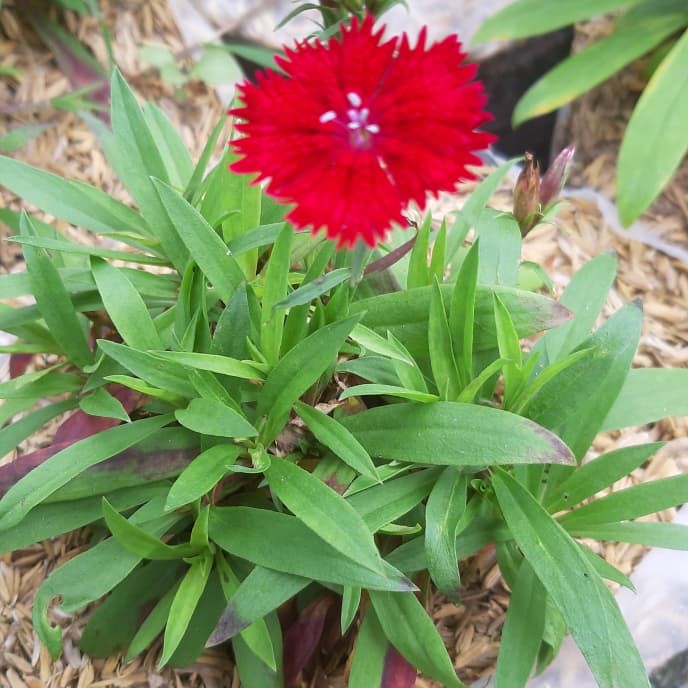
{"x": 357, "y": 128}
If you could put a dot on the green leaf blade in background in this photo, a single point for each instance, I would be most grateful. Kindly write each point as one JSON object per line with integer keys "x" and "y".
{"x": 76, "y": 202}
{"x": 591, "y": 66}
{"x": 448, "y": 433}
{"x": 597, "y": 626}
{"x": 648, "y": 395}
{"x": 526, "y": 18}
{"x": 656, "y": 139}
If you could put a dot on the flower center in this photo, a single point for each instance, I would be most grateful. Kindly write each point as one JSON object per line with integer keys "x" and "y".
{"x": 360, "y": 130}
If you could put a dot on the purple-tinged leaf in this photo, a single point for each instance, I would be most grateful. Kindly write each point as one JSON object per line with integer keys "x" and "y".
{"x": 396, "y": 671}
{"x": 18, "y": 364}
{"x": 302, "y": 638}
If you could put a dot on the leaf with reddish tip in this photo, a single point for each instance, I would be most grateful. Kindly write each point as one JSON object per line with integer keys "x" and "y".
{"x": 303, "y": 637}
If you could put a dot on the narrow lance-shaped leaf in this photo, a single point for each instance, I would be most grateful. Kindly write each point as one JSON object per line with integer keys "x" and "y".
{"x": 327, "y": 514}
{"x": 337, "y": 438}
{"x": 53, "y": 301}
{"x": 454, "y": 434}
{"x": 576, "y": 588}
{"x": 446, "y": 506}
{"x": 70, "y": 462}
{"x": 656, "y": 140}
{"x": 125, "y": 306}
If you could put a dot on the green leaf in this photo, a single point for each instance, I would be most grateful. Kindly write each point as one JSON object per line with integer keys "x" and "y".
{"x": 634, "y": 406}
{"x": 522, "y": 632}
{"x": 325, "y": 512}
{"x": 446, "y": 505}
{"x": 201, "y": 475}
{"x": 315, "y": 288}
{"x": 387, "y": 390}
{"x": 57, "y": 471}
{"x": 584, "y": 296}
{"x": 76, "y": 202}
{"x": 633, "y": 502}
{"x": 669, "y": 535}
{"x": 125, "y": 306}
{"x": 405, "y": 314}
{"x": 260, "y": 593}
{"x": 18, "y": 137}
{"x": 113, "y": 624}
{"x": 499, "y": 247}
{"x": 447, "y": 433}
{"x": 298, "y": 370}
{"x": 193, "y": 188}
{"x": 338, "y": 439}
{"x": 510, "y": 351}
{"x": 411, "y": 630}
{"x": 591, "y": 66}
{"x": 256, "y": 636}
{"x": 217, "y": 66}
{"x": 254, "y": 671}
{"x": 101, "y": 403}
{"x": 462, "y": 313}
{"x": 53, "y": 301}
{"x": 526, "y": 18}
{"x": 351, "y": 600}
{"x": 467, "y": 217}
{"x": 266, "y": 538}
{"x": 184, "y": 604}
{"x": 442, "y": 359}
{"x": 19, "y": 430}
{"x": 152, "y": 625}
{"x": 575, "y": 587}
{"x": 162, "y": 374}
{"x": 205, "y": 246}
{"x": 418, "y": 271}
{"x": 575, "y": 403}
{"x": 598, "y": 474}
{"x": 138, "y": 541}
{"x": 369, "y": 655}
{"x": 69, "y": 247}
{"x": 224, "y": 365}
{"x": 606, "y": 570}
{"x": 274, "y": 291}
{"x": 656, "y": 139}
{"x": 92, "y": 574}
{"x": 382, "y": 504}
{"x": 49, "y": 520}
{"x": 211, "y": 417}
{"x": 172, "y": 149}
{"x": 371, "y": 341}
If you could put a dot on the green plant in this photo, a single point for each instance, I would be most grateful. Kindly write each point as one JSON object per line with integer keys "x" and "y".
{"x": 656, "y": 139}
{"x": 219, "y": 487}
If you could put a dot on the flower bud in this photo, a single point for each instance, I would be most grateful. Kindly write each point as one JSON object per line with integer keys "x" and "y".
{"x": 555, "y": 177}
{"x": 527, "y": 195}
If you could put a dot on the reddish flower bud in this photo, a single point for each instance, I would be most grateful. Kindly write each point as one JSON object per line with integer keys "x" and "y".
{"x": 527, "y": 195}
{"x": 555, "y": 177}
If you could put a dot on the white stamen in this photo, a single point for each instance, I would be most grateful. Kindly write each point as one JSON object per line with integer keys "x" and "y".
{"x": 364, "y": 114}
{"x": 328, "y": 116}
{"x": 354, "y": 99}
{"x": 373, "y": 128}
{"x": 354, "y": 125}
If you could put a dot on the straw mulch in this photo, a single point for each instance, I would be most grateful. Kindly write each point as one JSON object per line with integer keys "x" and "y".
{"x": 68, "y": 148}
